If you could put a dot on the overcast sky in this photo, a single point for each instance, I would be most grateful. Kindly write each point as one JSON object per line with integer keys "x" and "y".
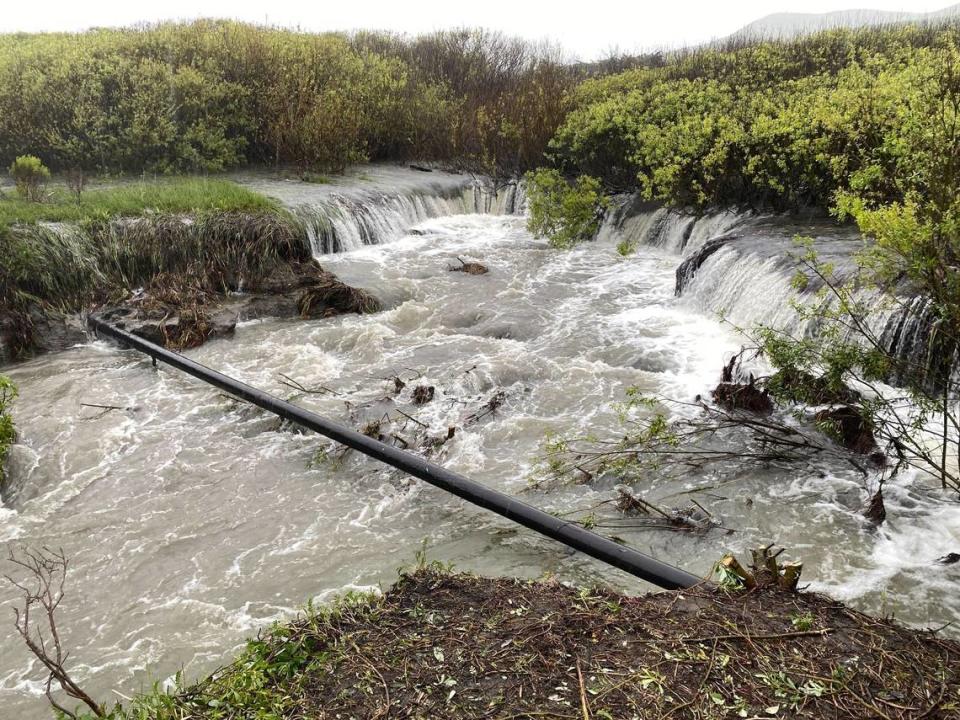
{"x": 588, "y": 30}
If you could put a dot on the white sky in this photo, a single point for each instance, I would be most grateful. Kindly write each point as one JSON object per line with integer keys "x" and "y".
{"x": 588, "y": 31}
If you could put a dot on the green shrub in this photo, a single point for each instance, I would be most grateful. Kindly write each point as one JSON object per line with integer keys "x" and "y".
{"x": 211, "y": 95}
{"x": 8, "y": 434}
{"x": 31, "y": 176}
{"x": 565, "y": 213}
{"x": 786, "y": 125}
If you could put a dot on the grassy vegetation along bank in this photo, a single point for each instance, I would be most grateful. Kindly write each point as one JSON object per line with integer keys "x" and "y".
{"x": 457, "y": 646}
{"x": 186, "y": 195}
{"x": 184, "y": 238}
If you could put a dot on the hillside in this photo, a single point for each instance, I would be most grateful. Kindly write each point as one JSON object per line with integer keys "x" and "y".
{"x": 792, "y": 25}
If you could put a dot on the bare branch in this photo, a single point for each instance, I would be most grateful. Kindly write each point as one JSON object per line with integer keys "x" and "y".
{"x": 44, "y": 589}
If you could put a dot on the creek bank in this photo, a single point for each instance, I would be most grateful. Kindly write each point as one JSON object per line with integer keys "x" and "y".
{"x": 183, "y": 319}
{"x": 188, "y": 317}
{"x": 177, "y": 280}
{"x": 441, "y": 645}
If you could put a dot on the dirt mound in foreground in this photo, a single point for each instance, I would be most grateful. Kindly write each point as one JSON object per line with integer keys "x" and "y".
{"x": 457, "y": 646}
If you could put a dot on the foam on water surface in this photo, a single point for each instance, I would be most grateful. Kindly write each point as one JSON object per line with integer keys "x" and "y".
{"x": 192, "y": 519}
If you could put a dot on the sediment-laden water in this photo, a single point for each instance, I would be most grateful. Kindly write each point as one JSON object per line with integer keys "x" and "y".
{"x": 193, "y": 520}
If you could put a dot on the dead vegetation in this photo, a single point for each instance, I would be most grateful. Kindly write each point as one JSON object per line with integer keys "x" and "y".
{"x": 743, "y": 396}
{"x": 693, "y": 518}
{"x": 439, "y": 645}
{"x": 183, "y": 311}
{"x": 42, "y": 592}
{"x": 168, "y": 274}
{"x": 423, "y": 394}
{"x": 326, "y": 296}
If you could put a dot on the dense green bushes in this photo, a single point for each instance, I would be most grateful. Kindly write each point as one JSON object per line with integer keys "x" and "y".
{"x": 786, "y": 125}
{"x": 212, "y": 95}
{"x": 781, "y": 124}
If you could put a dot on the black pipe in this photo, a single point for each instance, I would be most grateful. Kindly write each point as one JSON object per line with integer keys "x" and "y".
{"x": 564, "y": 531}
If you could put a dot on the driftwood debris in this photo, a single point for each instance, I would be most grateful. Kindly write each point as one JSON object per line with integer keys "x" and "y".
{"x": 695, "y": 518}
{"x": 489, "y": 408}
{"x": 766, "y": 570}
{"x": 875, "y": 510}
{"x": 470, "y": 268}
{"x": 848, "y": 426}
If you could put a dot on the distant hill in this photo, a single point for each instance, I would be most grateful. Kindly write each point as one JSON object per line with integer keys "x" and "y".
{"x": 791, "y": 25}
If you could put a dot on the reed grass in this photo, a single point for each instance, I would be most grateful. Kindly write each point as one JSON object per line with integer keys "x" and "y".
{"x": 64, "y": 256}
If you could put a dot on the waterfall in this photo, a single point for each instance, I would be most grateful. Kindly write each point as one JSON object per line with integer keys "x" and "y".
{"x": 744, "y": 288}
{"x": 340, "y": 222}
{"x": 637, "y": 223}
{"x": 740, "y": 266}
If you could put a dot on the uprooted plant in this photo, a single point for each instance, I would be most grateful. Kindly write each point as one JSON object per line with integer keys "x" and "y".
{"x": 43, "y": 591}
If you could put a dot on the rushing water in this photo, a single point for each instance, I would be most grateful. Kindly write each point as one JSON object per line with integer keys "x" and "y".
{"x": 192, "y": 520}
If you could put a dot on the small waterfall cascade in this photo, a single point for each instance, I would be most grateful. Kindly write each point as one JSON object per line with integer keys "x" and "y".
{"x": 379, "y": 203}
{"x": 637, "y": 223}
{"x": 912, "y": 332}
{"x": 740, "y": 266}
{"x": 339, "y": 223}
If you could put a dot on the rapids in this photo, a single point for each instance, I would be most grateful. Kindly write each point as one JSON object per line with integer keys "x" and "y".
{"x": 192, "y": 520}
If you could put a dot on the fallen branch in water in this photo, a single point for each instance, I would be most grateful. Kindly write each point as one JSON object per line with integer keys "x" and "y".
{"x": 299, "y": 387}
{"x": 495, "y": 402}
{"x": 44, "y": 591}
{"x": 104, "y": 410}
{"x": 470, "y": 268}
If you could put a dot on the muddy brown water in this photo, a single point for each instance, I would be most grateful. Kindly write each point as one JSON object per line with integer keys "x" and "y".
{"x": 192, "y": 521}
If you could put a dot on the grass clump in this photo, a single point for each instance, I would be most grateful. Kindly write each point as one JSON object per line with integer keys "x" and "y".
{"x": 67, "y": 267}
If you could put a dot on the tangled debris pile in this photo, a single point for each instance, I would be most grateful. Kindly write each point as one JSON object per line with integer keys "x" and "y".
{"x": 182, "y": 311}
{"x": 439, "y": 645}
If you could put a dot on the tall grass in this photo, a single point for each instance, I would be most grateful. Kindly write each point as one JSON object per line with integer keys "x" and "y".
{"x": 66, "y": 267}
